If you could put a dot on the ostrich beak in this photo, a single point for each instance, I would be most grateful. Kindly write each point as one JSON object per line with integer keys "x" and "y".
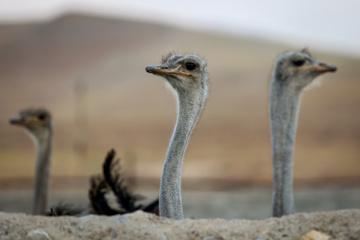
{"x": 16, "y": 121}
{"x": 320, "y": 67}
{"x": 162, "y": 70}
{"x": 326, "y": 67}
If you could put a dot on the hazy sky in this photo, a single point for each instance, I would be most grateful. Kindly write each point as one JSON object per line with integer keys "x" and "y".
{"x": 331, "y": 25}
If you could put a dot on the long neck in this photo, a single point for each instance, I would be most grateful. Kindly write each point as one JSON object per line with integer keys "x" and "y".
{"x": 189, "y": 110}
{"x": 284, "y": 104}
{"x": 42, "y": 173}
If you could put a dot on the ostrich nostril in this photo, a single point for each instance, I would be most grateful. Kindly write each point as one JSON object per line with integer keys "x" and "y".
{"x": 152, "y": 69}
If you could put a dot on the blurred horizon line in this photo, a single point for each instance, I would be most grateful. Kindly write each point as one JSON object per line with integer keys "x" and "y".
{"x": 244, "y": 26}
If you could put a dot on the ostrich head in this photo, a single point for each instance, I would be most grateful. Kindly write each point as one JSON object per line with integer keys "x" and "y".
{"x": 38, "y": 122}
{"x": 298, "y": 69}
{"x": 185, "y": 73}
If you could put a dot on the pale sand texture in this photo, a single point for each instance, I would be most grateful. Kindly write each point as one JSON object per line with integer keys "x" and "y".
{"x": 338, "y": 224}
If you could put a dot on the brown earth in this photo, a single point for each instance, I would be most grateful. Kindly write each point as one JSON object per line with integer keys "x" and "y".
{"x": 89, "y": 72}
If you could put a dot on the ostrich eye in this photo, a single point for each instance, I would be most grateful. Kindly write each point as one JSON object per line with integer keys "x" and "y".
{"x": 41, "y": 117}
{"x": 190, "y": 66}
{"x": 298, "y": 62}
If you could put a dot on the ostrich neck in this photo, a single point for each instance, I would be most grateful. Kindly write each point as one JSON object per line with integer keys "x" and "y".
{"x": 189, "y": 110}
{"x": 42, "y": 173}
{"x": 284, "y": 105}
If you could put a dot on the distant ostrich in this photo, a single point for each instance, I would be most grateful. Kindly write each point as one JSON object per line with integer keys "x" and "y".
{"x": 293, "y": 71}
{"x": 39, "y": 125}
{"x": 187, "y": 75}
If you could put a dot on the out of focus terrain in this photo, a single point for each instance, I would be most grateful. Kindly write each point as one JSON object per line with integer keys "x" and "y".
{"x": 90, "y": 73}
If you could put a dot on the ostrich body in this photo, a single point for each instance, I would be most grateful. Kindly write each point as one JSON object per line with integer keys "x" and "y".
{"x": 293, "y": 71}
{"x": 187, "y": 75}
{"x": 38, "y": 124}
{"x": 113, "y": 181}
{"x": 110, "y": 182}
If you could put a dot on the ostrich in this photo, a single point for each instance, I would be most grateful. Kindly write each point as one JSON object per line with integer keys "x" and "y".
{"x": 114, "y": 182}
{"x": 111, "y": 181}
{"x": 39, "y": 125}
{"x": 187, "y": 75}
{"x": 293, "y": 71}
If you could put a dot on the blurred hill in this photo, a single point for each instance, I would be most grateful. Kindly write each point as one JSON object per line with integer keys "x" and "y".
{"x": 89, "y": 72}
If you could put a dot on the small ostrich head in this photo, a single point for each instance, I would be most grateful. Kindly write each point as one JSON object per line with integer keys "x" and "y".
{"x": 298, "y": 69}
{"x": 37, "y": 121}
{"x": 186, "y": 73}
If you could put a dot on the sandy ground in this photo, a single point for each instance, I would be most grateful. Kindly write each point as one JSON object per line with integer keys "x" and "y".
{"x": 239, "y": 204}
{"x": 342, "y": 225}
